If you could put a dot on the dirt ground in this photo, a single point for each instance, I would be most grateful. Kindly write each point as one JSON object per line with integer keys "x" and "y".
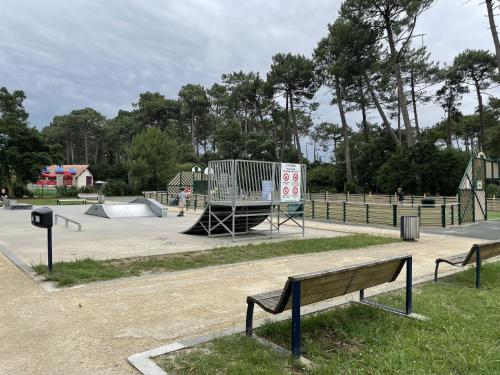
{"x": 92, "y": 329}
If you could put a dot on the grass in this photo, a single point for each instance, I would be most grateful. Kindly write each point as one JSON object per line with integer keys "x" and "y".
{"x": 87, "y": 270}
{"x": 461, "y": 337}
{"x": 493, "y": 215}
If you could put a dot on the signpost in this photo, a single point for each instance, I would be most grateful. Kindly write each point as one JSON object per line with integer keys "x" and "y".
{"x": 290, "y": 182}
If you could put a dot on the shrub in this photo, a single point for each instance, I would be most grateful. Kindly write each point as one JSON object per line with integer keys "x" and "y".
{"x": 65, "y": 192}
{"x": 492, "y": 189}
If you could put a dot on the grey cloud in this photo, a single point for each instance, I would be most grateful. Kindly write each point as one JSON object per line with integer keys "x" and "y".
{"x": 73, "y": 54}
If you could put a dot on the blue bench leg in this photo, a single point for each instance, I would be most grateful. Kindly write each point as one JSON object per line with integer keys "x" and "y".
{"x": 478, "y": 267}
{"x": 249, "y": 323}
{"x": 409, "y": 302}
{"x": 296, "y": 319}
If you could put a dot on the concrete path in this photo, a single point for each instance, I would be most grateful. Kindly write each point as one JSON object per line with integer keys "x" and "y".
{"x": 488, "y": 230}
{"x": 93, "y": 329}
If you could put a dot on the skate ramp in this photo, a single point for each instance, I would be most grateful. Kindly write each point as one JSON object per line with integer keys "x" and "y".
{"x": 119, "y": 211}
{"x": 260, "y": 213}
{"x": 158, "y": 209}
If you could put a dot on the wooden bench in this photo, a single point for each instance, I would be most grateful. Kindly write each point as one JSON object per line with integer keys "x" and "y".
{"x": 314, "y": 287}
{"x": 476, "y": 254}
{"x": 79, "y": 200}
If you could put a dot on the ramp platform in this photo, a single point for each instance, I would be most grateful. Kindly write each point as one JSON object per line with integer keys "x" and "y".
{"x": 219, "y": 219}
{"x": 118, "y": 211}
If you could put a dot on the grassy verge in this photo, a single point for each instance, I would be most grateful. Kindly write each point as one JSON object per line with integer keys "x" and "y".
{"x": 493, "y": 215}
{"x": 461, "y": 337}
{"x": 87, "y": 270}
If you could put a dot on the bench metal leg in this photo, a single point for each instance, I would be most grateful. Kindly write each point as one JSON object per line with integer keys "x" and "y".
{"x": 408, "y": 295}
{"x": 436, "y": 271}
{"x": 249, "y": 323}
{"x": 409, "y": 302}
{"x": 478, "y": 267}
{"x": 296, "y": 319}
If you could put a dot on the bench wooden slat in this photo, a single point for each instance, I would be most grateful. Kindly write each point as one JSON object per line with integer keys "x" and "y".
{"x": 320, "y": 286}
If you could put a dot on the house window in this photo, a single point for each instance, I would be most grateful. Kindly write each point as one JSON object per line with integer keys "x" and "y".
{"x": 88, "y": 181}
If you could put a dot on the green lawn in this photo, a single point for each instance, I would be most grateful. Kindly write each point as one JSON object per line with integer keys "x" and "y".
{"x": 493, "y": 215}
{"x": 462, "y": 336}
{"x": 39, "y": 201}
{"x": 87, "y": 270}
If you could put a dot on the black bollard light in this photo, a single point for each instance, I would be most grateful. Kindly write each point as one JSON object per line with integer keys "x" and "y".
{"x": 43, "y": 218}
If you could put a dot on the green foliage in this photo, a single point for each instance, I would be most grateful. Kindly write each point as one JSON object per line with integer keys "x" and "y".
{"x": 152, "y": 159}
{"x": 67, "y": 192}
{"x": 493, "y": 190}
{"x": 22, "y": 149}
{"x": 320, "y": 177}
{"x": 116, "y": 188}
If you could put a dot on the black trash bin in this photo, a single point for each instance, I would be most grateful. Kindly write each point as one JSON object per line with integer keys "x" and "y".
{"x": 428, "y": 202}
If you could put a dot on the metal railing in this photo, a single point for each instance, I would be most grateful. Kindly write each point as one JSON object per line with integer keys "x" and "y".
{"x": 379, "y": 198}
{"x": 382, "y": 214}
{"x": 67, "y": 221}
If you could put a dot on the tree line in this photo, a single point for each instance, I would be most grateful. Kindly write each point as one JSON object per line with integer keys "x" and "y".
{"x": 370, "y": 64}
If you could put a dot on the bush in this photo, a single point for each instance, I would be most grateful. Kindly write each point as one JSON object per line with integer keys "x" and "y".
{"x": 492, "y": 189}
{"x": 65, "y": 192}
{"x": 21, "y": 191}
{"x": 87, "y": 189}
{"x": 116, "y": 188}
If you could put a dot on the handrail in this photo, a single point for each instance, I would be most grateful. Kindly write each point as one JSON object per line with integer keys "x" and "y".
{"x": 68, "y": 220}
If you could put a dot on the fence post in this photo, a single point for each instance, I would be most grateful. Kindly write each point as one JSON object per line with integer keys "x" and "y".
{"x": 419, "y": 213}
{"x": 443, "y": 215}
{"x": 312, "y": 214}
{"x": 459, "y": 214}
{"x": 195, "y": 201}
{"x": 367, "y": 213}
{"x": 344, "y": 204}
{"x": 327, "y": 210}
{"x": 364, "y": 197}
{"x": 390, "y": 199}
{"x": 394, "y": 215}
{"x": 412, "y": 196}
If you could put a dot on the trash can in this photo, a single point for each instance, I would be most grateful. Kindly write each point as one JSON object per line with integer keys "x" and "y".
{"x": 410, "y": 228}
{"x": 428, "y": 202}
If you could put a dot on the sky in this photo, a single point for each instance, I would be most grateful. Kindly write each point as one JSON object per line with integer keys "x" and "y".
{"x": 74, "y": 54}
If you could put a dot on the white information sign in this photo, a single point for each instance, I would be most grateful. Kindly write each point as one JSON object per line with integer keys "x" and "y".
{"x": 290, "y": 182}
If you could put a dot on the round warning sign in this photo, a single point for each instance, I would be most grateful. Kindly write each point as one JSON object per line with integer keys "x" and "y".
{"x": 295, "y": 190}
{"x": 286, "y": 190}
{"x": 295, "y": 177}
{"x": 286, "y": 177}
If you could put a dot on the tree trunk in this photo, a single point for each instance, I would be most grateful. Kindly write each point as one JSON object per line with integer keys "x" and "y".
{"x": 345, "y": 135}
{"x": 448, "y": 129}
{"x": 295, "y": 130}
{"x": 72, "y": 153}
{"x": 67, "y": 150}
{"x": 401, "y": 93}
{"x": 414, "y": 101}
{"x": 10, "y": 187}
{"x": 96, "y": 152}
{"x": 86, "y": 148}
{"x": 493, "y": 28}
{"x": 399, "y": 122}
{"x": 193, "y": 138}
{"x": 363, "y": 111}
{"x": 283, "y": 139}
{"x": 481, "y": 115}
{"x": 381, "y": 112}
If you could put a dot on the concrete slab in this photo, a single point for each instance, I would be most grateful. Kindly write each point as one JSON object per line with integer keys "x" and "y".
{"x": 486, "y": 230}
{"x": 103, "y": 238}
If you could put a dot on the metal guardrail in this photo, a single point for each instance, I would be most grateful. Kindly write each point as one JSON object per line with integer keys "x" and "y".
{"x": 67, "y": 221}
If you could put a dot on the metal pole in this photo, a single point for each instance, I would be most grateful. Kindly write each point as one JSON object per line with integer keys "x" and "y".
{"x": 408, "y": 285}
{"x": 478, "y": 267}
{"x": 296, "y": 319}
{"x": 49, "y": 249}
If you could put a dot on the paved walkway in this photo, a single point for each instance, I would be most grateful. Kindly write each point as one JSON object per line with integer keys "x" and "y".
{"x": 94, "y": 328}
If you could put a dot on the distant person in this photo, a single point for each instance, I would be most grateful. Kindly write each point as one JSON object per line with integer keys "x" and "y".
{"x": 401, "y": 196}
{"x": 181, "y": 201}
{"x": 4, "y": 194}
